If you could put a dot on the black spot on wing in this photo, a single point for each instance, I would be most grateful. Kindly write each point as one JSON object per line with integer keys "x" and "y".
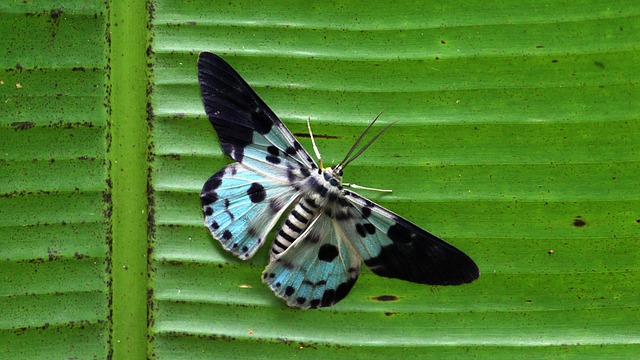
{"x": 256, "y": 193}
{"x": 331, "y": 296}
{"x": 208, "y": 194}
{"x": 365, "y": 229}
{"x": 328, "y": 252}
{"x": 208, "y": 198}
{"x": 418, "y": 256}
{"x": 273, "y": 156}
{"x": 289, "y": 290}
{"x": 304, "y": 171}
{"x": 214, "y": 181}
{"x": 208, "y": 211}
{"x": 226, "y": 235}
{"x": 328, "y": 297}
{"x": 273, "y": 150}
{"x": 273, "y": 159}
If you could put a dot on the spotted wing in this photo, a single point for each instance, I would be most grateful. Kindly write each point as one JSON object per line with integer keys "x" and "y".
{"x": 241, "y": 206}
{"x": 391, "y": 246}
{"x": 249, "y": 131}
{"x": 317, "y": 270}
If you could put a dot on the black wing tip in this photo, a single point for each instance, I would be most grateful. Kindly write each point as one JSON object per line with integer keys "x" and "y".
{"x": 207, "y": 57}
{"x": 419, "y": 264}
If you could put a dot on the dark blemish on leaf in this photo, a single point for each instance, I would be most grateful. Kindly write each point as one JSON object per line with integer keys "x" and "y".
{"x": 599, "y": 64}
{"x": 386, "y": 298}
{"x": 23, "y": 125}
{"x": 578, "y": 222}
{"x": 53, "y": 254}
{"x": 56, "y": 13}
{"x": 319, "y": 136}
{"x": 554, "y": 61}
{"x": 389, "y": 313}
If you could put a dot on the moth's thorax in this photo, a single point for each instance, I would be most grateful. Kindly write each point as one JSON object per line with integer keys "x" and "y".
{"x": 320, "y": 193}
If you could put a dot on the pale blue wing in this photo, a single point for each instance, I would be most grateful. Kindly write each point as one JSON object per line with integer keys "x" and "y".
{"x": 391, "y": 246}
{"x": 249, "y": 131}
{"x": 317, "y": 270}
{"x": 241, "y": 206}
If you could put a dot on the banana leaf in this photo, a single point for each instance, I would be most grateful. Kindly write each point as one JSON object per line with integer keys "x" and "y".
{"x": 517, "y": 141}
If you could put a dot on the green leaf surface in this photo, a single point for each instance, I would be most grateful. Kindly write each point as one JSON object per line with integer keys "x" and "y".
{"x": 518, "y": 141}
{"x": 54, "y": 224}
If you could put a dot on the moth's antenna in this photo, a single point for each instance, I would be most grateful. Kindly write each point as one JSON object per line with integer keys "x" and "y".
{"x": 367, "y": 145}
{"x": 360, "y": 138}
{"x": 313, "y": 142}
{"x": 348, "y": 158}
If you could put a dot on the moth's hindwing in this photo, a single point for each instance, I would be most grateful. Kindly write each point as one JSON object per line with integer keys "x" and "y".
{"x": 317, "y": 270}
{"x": 241, "y": 206}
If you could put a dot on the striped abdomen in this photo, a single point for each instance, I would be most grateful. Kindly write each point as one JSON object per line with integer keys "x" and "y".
{"x": 296, "y": 222}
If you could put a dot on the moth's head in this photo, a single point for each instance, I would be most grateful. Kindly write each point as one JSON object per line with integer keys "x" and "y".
{"x": 335, "y": 171}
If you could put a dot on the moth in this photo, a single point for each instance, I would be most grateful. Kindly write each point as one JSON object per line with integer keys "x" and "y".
{"x": 329, "y": 230}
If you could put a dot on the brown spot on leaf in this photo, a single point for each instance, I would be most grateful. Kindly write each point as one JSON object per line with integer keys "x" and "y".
{"x": 578, "y": 222}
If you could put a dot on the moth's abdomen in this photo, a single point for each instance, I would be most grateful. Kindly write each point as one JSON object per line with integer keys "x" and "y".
{"x": 296, "y": 222}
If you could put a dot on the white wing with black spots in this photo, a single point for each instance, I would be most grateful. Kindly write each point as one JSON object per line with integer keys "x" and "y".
{"x": 241, "y": 206}
{"x": 318, "y": 270}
